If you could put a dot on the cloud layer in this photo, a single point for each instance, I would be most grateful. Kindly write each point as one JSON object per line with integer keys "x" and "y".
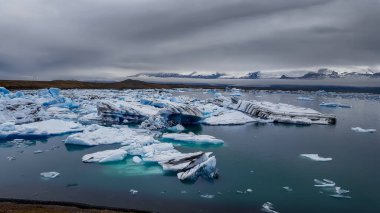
{"x": 52, "y": 39}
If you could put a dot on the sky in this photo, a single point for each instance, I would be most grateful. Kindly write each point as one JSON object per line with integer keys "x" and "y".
{"x": 111, "y": 39}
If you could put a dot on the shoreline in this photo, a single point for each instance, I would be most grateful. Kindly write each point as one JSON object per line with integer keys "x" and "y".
{"x": 137, "y": 84}
{"x": 26, "y": 205}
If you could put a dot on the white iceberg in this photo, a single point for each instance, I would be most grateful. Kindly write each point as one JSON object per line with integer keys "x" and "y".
{"x": 192, "y": 138}
{"x": 105, "y": 156}
{"x": 324, "y": 183}
{"x": 361, "y": 130}
{"x": 281, "y": 113}
{"x": 97, "y": 135}
{"x": 229, "y": 117}
{"x": 21, "y": 110}
{"x": 136, "y": 159}
{"x": 315, "y": 157}
{"x": 268, "y": 207}
{"x": 49, "y": 175}
{"x": 39, "y": 129}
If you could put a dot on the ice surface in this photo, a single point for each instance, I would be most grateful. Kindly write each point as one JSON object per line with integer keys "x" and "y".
{"x": 136, "y": 159}
{"x": 192, "y": 138}
{"x": 302, "y": 98}
{"x": 38, "y": 129}
{"x": 315, "y": 157}
{"x": 334, "y": 105}
{"x": 96, "y": 135}
{"x": 21, "y": 110}
{"x": 229, "y": 117}
{"x": 361, "y": 130}
{"x": 105, "y": 156}
{"x": 268, "y": 207}
{"x": 281, "y": 113}
{"x": 49, "y": 175}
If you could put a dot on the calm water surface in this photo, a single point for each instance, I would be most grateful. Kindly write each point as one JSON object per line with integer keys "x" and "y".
{"x": 262, "y": 157}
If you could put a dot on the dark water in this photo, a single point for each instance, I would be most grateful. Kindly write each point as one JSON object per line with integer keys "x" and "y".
{"x": 262, "y": 157}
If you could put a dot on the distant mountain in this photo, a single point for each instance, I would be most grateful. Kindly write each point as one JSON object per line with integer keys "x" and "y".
{"x": 323, "y": 73}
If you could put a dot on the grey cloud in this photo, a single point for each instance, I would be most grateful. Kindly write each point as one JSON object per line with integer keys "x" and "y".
{"x": 61, "y": 39}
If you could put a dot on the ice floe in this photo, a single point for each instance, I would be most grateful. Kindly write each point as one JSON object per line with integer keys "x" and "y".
{"x": 330, "y": 187}
{"x": 97, "y": 135}
{"x": 324, "y": 183}
{"x": 49, "y": 175}
{"x": 192, "y": 138}
{"x": 334, "y": 105}
{"x": 316, "y": 157}
{"x": 281, "y": 113}
{"x": 268, "y": 207}
{"x": 105, "y": 156}
{"x": 361, "y": 130}
{"x": 38, "y": 129}
{"x": 229, "y": 117}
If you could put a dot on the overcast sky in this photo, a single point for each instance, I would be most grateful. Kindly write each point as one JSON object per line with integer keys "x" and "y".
{"x": 109, "y": 39}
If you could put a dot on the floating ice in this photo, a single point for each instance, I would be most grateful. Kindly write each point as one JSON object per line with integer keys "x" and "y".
{"x": 324, "y": 183}
{"x": 38, "y": 129}
{"x": 136, "y": 159}
{"x": 229, "y": 117}
{"x": 340, "y": 196}
{"x": 361, "y": 130}
{"x": 315, "y": 157}
{"x": 4, "y": 91}
{"x": 305, "y": 98}
{"x": 207, "y": 196}
{"x": 281, "y": 113}
{"x": 287, "y": 188}
{"x": 105, "y": 156}
{"x": 268, "y": 207}
{"x": 49, "y": 175}
{"x": 21, "y": 110}
{"x": 96, "y": 135}
{"x": 249, "y": 190}
{"x": 133, "y": 191}
{"x": 176, "y": 128}
{"x": 38, "y": 152}
{"x": 334, "y": 105}
{"x": 192, "y": 138}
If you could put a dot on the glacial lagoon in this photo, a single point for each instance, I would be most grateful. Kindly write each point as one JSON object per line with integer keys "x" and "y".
{"x": 255, "y": 162}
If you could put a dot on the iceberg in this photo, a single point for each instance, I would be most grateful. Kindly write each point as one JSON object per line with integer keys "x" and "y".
{"x": 4, "y": 91}
{"x": 324, "y": 183}
{"x": 105, "y": 156}
{"x": 97, "y": 135}
{"x": 229, "y": 117}
{"x": 315, "y": 157}
{"x": 268, "y": 207}
{"x": 334, "y": 105}
{"x": 38, "y": 129}
{"x": 192, "y": 138}
{"x": 281, "y": 113}
{"x": 361, "y": 130}
{"x": 21, "y": 110}
{"x": 49, "y": 175}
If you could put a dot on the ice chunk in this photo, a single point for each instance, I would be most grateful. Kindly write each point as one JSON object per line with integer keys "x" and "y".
{"x": 315, "y": 157}
{"x": 21, "y": 110}
{"x": 136, "y": 159}
{"x": 39, "y": 129}
{"x": 301, "y": 98}
{"x": 105, "y": 156}
{"x": 281, "y": 113}
{"x": 95, "y": 135}
{"x": 287, "y": 188}
{"x": 181, "y": 114}
{"x": 249, "y": 190}
{"x": 176, "y": 128}
{"x": 230, "y": 117}
{"x": 192, "y": 138}
{"x": 133, "y": 191}
{"x": 340, "y": 196}
{"x": 49, "y": 175}
{"x": 334, "y": 105}
{"x": 324, "y": 183}
{"x": 268, "y": 207}
{"x": 4, "y": 91}
{"x": 207, "y": 196}
{"x": 361, "y": 130}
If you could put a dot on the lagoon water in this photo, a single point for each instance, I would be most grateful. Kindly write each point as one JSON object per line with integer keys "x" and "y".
{"x": 261, "y": 157}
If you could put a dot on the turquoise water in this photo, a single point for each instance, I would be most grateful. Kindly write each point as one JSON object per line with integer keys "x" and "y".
{"x": 261, "y": 157}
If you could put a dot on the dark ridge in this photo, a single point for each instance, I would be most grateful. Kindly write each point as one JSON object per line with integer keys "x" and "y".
{"x": 68, "y": 204}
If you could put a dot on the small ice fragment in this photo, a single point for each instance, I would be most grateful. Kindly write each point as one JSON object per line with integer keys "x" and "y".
{"x": 316, "y": 157}
{"x": 249, "y": 190}
{"x": 324, "y": 183}
{"x": 11, "y": 158}
{"x": 136, "y": 159}
{"x": 340, "y": 196}
{"x": 49, "y": 175}
{"x": 38, "y": 151}
{"x": 268, "y": 207}
{"x": 287, "y": 188}
{"x": 133, "y": 191}
{"x": 208, "y": 196}
{"x": 192, "y": 138}
{"x": 183, "y": 192}
{"x": 239, "y": 192}
{"x": 361, "y": 130}
{"x": 177, "y": 128}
